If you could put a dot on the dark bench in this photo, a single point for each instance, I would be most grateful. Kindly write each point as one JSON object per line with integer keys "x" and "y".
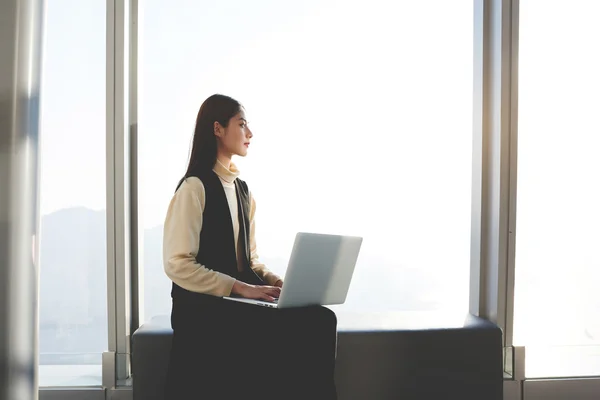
{"x": 380, "y": 356}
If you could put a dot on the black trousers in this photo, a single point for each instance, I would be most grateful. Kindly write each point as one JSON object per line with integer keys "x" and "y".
{"x": 230, "y": 350}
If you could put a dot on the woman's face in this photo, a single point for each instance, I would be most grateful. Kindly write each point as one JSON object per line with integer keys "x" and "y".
{"x": 235, "y": 139}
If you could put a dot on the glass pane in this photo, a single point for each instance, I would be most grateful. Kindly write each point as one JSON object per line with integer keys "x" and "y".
{"x": 361, "y": 114}
{"x": 73, "y": 320}
{"x": 557, "y": 302}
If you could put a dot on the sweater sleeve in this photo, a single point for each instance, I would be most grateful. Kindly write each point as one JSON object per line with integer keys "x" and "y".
{"x": 261, "y": 270}
{"x": 181, "y": 241}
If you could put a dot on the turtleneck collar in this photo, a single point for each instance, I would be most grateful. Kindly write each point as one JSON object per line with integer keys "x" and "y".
{"x": 226, "y": 174}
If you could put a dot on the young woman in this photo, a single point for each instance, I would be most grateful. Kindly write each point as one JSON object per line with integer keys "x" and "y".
{"x": 224, "y": 349}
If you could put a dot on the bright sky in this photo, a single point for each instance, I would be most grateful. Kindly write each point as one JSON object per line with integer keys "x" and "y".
{"x": 349, "y": 110}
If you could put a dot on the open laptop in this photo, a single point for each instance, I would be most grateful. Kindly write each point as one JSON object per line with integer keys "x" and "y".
{"x": 319, "y": 271}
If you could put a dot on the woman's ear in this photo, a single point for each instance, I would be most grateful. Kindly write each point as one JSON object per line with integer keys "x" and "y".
{"x": 218, "y": 129}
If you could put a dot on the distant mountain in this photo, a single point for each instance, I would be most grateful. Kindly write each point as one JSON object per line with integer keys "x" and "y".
{"x": 73, "y": 299}
{"x": 72, "y": 266}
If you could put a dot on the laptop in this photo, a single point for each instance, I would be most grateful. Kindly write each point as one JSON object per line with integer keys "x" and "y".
{"x": 319, "y": 271}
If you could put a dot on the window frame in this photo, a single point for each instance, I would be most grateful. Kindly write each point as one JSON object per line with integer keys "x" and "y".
{"x": 121, "y": 189}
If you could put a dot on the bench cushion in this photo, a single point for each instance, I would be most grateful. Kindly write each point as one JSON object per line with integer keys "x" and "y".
{"x": 380, "y": 356}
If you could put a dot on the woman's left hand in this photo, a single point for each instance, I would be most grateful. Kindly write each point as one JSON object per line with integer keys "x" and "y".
{"x": 279, "y": 283}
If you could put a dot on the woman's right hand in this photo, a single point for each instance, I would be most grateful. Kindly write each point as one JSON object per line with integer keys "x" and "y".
{"x": 257, "y": 292}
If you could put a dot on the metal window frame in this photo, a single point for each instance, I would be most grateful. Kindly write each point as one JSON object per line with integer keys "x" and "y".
{"x": 516, "y": 366}
{"x": 493, "y": 194}
{"x": 137, "y": 270}
{"x": 121, "y": 189}
{"x": 85, "y": 393}
{"x": 512, "y": 211}
{"x": 559, "y": 389}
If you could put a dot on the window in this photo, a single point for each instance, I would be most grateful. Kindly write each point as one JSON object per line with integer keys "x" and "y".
{"x": 73, "y": 320}
{"x": 557, "y": 262}
{"x": 362, "y": 115}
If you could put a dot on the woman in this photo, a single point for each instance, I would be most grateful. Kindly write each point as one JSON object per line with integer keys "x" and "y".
{"x": 225, "y": 349}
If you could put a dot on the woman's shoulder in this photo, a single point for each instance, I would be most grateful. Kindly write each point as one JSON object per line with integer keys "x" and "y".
{"x": 191, "y": 184}
{"x": 192, "y": 181}
{"x": 189, "y": 191}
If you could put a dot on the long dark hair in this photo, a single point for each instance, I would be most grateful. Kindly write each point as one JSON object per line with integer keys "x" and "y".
{"x": 217, "y": 108}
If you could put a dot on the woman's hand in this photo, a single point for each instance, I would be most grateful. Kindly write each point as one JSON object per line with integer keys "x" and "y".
{"x": 257, "y": 292}
{"x": 279, "y": 283}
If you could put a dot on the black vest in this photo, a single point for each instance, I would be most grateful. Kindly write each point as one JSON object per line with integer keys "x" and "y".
{"x": 217, "y": 245}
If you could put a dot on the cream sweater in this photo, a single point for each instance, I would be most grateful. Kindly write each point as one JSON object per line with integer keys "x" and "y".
{"x": 181, "y": 237}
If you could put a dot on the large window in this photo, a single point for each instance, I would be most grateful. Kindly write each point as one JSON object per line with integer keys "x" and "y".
{"x": 557, "y": 302}
{"x": 73, "y": 320}
{"x": 362, "y": 119}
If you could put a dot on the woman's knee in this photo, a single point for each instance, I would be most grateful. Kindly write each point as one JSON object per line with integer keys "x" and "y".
{"x": 326, "y": 317}
{"x": 331, "y": 315}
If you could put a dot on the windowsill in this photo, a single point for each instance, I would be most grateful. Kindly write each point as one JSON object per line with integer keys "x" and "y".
{"x": 70, "y": 375}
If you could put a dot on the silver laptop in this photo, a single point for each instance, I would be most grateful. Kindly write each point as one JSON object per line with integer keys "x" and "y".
{"x": 319, "y": 271}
